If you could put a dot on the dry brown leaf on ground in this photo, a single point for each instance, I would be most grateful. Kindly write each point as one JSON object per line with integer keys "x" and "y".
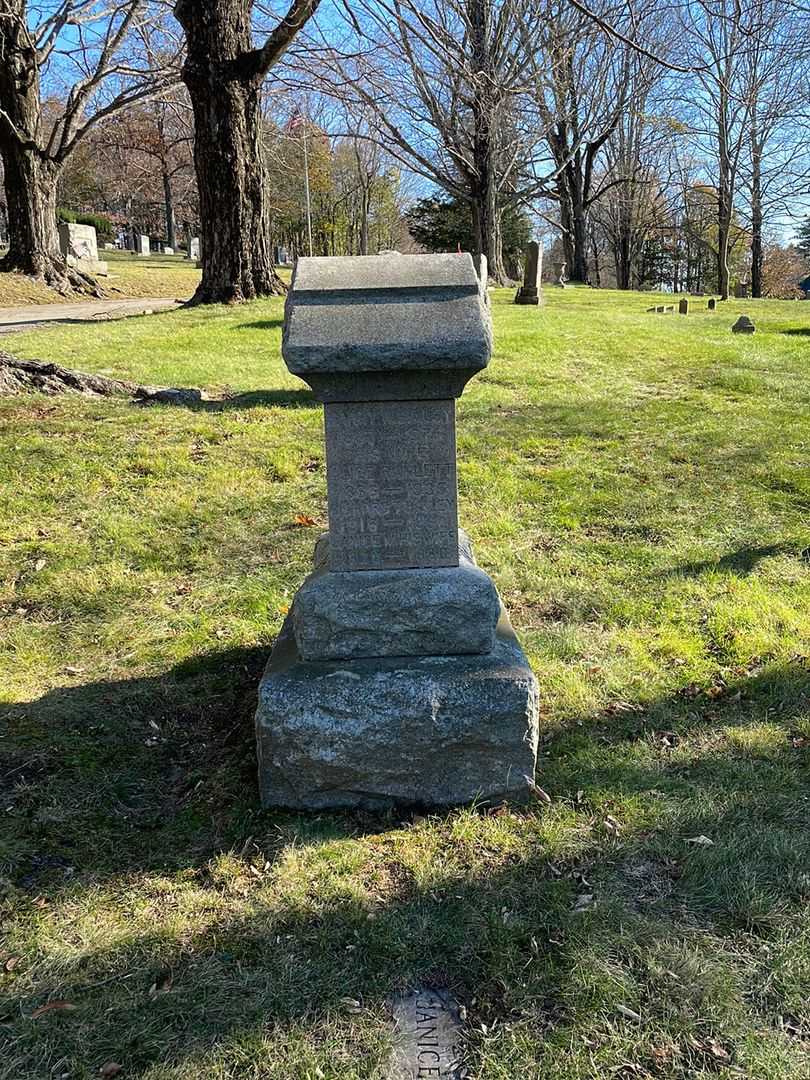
{"x": 52, "y": 1006}
{"x": 304, "y": 520}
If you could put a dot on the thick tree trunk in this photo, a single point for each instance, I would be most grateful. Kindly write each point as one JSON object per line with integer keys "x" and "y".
{"x": 622, "y": 260}
{"x": 29, "y": 177}
{"x": 574, "y": 222}
{"x": 566, "y": 224}
{"x": 237, "y": 252}
{"x": 484, "y": 195}
{"x": 579, "y": 269}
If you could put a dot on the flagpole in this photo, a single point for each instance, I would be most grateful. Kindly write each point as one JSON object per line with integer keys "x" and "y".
{"x": 306, "y": 177}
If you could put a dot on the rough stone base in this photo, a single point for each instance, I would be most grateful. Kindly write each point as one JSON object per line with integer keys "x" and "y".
{"x": 444, "y": 611}
{"x": 96, "y": 267}
{"x": 526, "y": 295}
{"x": 431, "y": 731}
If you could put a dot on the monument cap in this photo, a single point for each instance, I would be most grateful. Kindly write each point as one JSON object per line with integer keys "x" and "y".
{"x": 386, "y": 327}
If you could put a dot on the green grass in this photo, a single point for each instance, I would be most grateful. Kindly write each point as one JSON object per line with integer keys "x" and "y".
{"x": 638, "y": 486}
{"x": 167, "y": 276}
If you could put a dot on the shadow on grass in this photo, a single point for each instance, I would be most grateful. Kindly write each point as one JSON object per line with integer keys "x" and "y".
{"x": 741, "y": 562}
{"x": 260, "y": 324}
{"x": 797, "y": 331}
{"x": 113, "y": 781}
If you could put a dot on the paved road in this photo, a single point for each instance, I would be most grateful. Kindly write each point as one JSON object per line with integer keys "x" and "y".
{"x": 37, "y": 316}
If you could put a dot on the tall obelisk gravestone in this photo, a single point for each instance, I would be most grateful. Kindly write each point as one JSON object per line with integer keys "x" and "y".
{"x": 396, "y": 676}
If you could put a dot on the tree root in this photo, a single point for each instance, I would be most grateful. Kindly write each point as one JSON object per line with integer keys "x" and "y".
{"x": 24, "y": 376}
{"x": 63, "y": 279}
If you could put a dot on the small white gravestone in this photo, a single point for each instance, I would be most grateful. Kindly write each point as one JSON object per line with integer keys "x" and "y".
{"x": 168, "y": 250}
{"x": 194, "y": 247}
{"x": 143, "y": 244}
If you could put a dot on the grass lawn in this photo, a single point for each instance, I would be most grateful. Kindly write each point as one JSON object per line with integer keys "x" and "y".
{"x": 170, "y": 276}
{"x": 639, "y": 488}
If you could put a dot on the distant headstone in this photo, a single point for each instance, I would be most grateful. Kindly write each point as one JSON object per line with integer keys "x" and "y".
{"x": 168, "y": 250}
{"x": 396, "y": 677}
{"x": 143, "y": 244}
{"x": 683, "y": 306}
{"x": 426, "y": 1036}
{"x": 109, "y": 247}
{"x": 712, "y": 304}
{"x": 742, "y": 290}
{"x": 529, "y": 291}
{"x": 743, "y": 325}
{"x": 194, "y": 247}
{"x": 79, "y": 246}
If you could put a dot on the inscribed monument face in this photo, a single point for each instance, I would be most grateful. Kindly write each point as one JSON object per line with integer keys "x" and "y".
{"x": 391, "y": 485}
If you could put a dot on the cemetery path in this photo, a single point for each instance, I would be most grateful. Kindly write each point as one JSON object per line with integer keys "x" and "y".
{"x": 39, "y": 316}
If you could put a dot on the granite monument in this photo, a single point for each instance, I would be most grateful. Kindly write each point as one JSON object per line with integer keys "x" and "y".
{"x": 79, "y": 246}
{"x": 397, "y": 677}
{"x": 529, "y": 291}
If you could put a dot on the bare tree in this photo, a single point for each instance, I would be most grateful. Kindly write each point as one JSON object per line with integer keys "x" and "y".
{"x": 716, "y": 47}
{"x": 775, "y": 169}
{"x": 85, "y": 44}
{"x": 224, "y": 72}
{"x": 443, "y": 85}
{"x": 585, "y": 82}
{"x": 147, "y": 154}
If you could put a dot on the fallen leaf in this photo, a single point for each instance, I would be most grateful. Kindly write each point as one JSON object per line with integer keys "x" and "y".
{"x": 629, "y": 1013}
{"x": 110, "y": 1068}
{"x": 52, "y": 1006}
{"x": 611, "y": 824}
{"x": 701, "y": 841}
{"x": 304, "y": 520}
{"x": 39, "y": 565}
{"x": 539, "y": 794}
{"x": 12, "y": 962}
{"x": 73, "y": 670}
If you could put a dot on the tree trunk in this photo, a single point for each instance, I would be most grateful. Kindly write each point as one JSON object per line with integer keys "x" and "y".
{"x": 724, "y": 195}
{"x": 579, "y": 269}
{"x": 168, "y": 203}
{"x": 365, "y": 200}
{"x": 237, "y": 251}
{"x": 756, "y": 214}
{"x": 566, "y": 224}
{"x": 484, "y": 195}
{"x": 29, "y": 177}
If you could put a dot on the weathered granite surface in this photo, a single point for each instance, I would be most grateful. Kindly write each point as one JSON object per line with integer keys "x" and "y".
{"x": 391, "y": 482}
{"x": 79, "y": 245}
{"x": 373, "y": 327}
{"x": 427, "y": 1036}
{"x": 437, "y": 730}
{"x": 449, "y": 611}
{"x": 743, "y": 325}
